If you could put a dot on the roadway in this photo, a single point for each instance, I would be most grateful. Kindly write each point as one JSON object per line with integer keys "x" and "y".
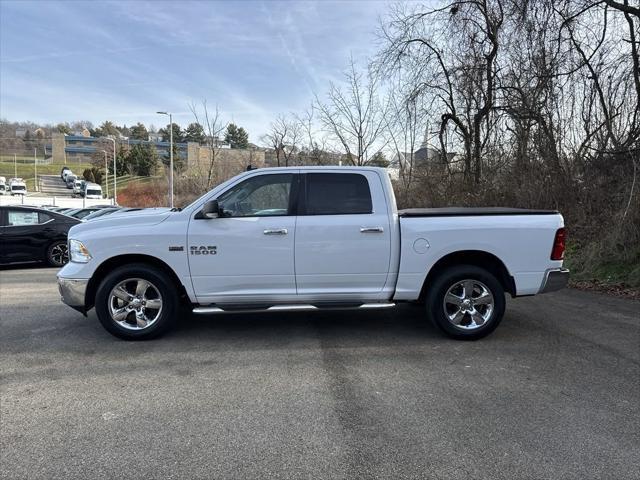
{"x": 553, "y": 393}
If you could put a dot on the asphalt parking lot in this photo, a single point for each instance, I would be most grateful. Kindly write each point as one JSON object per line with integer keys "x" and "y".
{"x": 553, "y": 393}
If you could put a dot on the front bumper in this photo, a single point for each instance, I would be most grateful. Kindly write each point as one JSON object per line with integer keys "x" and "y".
{"x": 73, "y": 292}
{"x": 555, "y": 279}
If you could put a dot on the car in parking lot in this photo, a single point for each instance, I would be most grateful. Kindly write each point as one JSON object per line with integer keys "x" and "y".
{"x": 92, "y": 191}
{"x": 81, "y": 213}
{"x": 102, "y": 212}
{"x": 70, "y": 180}
{"x": 78, "y": 187}
{"x": 30, "y": 234}
{"x": 17, "y": 186}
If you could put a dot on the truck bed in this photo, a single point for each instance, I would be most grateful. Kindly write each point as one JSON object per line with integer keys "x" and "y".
{"x": 470, "y": 212}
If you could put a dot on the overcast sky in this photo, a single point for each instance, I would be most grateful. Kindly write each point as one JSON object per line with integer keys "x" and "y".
{"x": 124, "y": 60}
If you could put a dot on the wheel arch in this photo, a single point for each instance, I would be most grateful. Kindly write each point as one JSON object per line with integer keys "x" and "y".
{"x": 114, "y": 262}
{"x": 478, "y": 258}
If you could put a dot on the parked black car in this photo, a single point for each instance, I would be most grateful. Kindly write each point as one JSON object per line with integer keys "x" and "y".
{"x": 30, "y": 234}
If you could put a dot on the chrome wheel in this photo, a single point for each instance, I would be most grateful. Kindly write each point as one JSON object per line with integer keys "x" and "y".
{"x": 468, "y": 304}
{"x": 59, "y": 254}
{"x": 135, "y": 304}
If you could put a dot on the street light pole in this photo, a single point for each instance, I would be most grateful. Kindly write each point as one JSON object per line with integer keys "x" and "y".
{"x": 106, "y": 173}
{"x": 35, "y": 168}
{"x": 115, "y": 196}
{"x": 170, "y": 156}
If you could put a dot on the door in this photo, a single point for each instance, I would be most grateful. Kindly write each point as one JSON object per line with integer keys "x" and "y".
{"x": 25, "y": 234}
{"x": 343, "y": 239}
{"x": 246, "y": 255}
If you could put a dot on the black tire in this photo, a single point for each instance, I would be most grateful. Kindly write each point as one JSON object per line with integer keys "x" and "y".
{"x": 57, "y": 254}
{"x": 161, "y": 284}
{"x": 468, "y": 329}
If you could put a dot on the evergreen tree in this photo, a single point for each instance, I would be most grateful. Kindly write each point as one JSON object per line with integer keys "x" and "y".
{"x": 194, "y": 133}
{"x": 237, "y": 137}
{"x": 143, "y": 160}
{"x": 63, "y": 128}
{"x": 139, "y": 132}
{"x": 177, "y": 133}
{"x": 379, "y": 160}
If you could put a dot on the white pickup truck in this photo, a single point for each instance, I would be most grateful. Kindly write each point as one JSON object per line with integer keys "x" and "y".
{"x": 310, "y": 238}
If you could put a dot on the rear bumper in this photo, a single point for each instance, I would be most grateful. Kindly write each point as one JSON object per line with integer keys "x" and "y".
{"x": 72, "y": 291}
{"x": 555, "y": 279}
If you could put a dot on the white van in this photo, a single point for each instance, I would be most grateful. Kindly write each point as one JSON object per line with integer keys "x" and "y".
{"x": 78, "y": 187}
{"x": 92, "y": 190}
{"x": 17, "y": 186}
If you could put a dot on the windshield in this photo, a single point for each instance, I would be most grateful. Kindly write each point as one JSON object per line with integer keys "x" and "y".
{"x": 94, "y": 192}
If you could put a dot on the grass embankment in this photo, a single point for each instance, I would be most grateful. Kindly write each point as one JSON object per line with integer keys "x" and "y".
{"x": 614, "y": 273}
{"x": 26, "y": 171}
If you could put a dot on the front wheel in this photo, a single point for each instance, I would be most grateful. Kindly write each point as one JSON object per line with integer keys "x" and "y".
{"x": 466, "y": 302}
{"x": 57, "y": 254}
{"x": 136, "y": 302}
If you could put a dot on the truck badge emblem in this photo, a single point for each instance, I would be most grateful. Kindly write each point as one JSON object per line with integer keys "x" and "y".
{"x": 203, "y": 250}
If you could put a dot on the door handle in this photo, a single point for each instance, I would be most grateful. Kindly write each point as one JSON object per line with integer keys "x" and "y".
{"x": 275, "y": 231}
{"x": 371, "y": 229}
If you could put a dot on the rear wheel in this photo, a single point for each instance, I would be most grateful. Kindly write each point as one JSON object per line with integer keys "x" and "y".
{"x": 57, "y": 254}
{"x": 466, "y": 302}
{"x": 136, "y": 302}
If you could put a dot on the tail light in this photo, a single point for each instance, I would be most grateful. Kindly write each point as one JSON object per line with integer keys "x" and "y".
{"x": 557, "y": 252}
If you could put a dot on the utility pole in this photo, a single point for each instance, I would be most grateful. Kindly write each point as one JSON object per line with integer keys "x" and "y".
{"x": 15, "y": 166}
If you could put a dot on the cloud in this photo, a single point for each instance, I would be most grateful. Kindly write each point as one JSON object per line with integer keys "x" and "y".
{"x": 126, "y": 60}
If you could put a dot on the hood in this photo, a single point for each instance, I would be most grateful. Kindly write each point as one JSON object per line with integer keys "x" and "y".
{"x": 146, "y": 216}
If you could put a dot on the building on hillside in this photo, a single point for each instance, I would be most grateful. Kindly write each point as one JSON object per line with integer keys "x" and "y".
{"x": 81, "y": 149}
{"x": 424, "y": 157}
{"x": 197, "y": 158}
{"x": 83, "y": 132}
{"x": 155, "y": 137}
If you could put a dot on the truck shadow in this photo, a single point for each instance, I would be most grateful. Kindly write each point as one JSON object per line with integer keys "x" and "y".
{"x": 347, "y": 327}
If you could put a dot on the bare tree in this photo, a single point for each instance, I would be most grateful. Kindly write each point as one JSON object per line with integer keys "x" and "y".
{"x": 213, "y": 128}
{"x": 451, "y": 53}
{"x": 354, "y": 116}
{"x": 284, "y": 137}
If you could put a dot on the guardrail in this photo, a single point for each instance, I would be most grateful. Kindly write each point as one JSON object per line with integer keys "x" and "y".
{"x": 53, "y": 201}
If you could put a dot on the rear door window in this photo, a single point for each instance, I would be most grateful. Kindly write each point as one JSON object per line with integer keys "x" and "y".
{"x": 337, "y": 194}
{"x": 18, "y": 218}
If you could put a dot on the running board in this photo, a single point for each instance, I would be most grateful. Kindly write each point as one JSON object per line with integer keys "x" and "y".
{"x": 292, "y": 308}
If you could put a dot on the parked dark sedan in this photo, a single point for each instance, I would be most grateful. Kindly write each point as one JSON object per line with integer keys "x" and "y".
{"x": 30, "y": 234}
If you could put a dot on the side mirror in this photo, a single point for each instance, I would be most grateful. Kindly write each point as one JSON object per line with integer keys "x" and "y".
{"x": 211, "y": 209}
